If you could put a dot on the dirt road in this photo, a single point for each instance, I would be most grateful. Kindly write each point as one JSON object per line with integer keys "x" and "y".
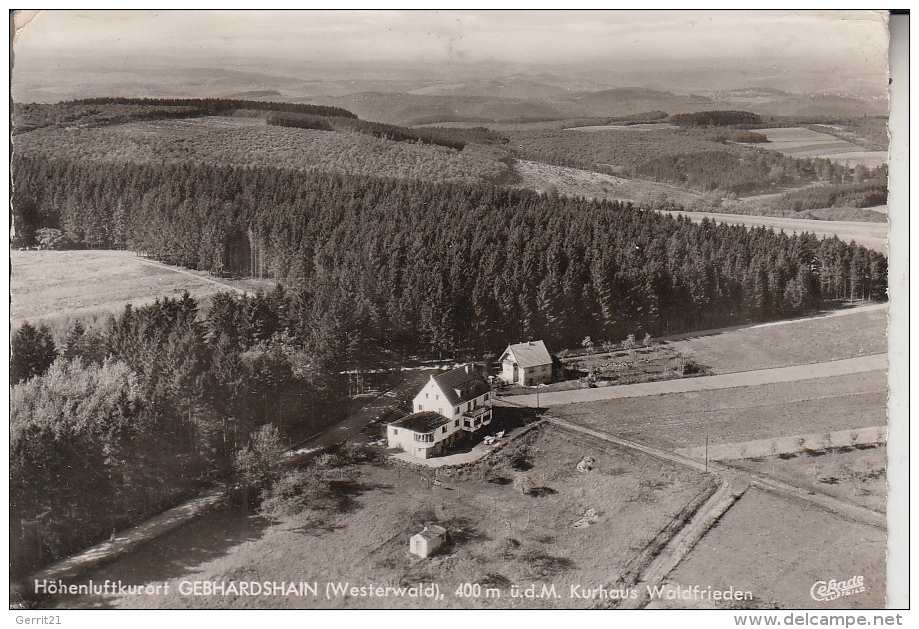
{"x": 178, "y": 269}
{"x": 757, "y": 377}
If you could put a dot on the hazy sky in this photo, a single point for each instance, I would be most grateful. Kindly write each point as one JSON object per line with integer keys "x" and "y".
{"x": 514, "y": 37}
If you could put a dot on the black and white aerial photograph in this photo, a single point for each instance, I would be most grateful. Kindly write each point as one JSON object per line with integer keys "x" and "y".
{"x": 452, "y": 310}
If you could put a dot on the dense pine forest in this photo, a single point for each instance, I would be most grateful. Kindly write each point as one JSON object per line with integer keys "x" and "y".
{"x": 441, "y": 265}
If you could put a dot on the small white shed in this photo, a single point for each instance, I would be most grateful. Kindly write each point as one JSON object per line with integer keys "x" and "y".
{"x": 428, "y": 540}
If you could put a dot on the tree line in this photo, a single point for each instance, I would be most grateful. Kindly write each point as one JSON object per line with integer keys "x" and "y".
{"x": 859, "y": 194}
{"x": 95, "y": 111}
{"x": 715, "y": 118}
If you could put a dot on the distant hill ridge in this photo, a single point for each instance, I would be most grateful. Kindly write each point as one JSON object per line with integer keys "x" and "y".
{"x": 96, "y": 111}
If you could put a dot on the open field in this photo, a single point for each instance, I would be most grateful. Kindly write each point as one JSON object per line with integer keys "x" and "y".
{"x": 499, "y": 536}
{"x": 812, "y": 340}
{"x": 585, "y": 183}
{"x": 681, "y": 420}
{"x": 856, "y": 474}
{"x": 870, "y": 234}
{"x": 777, "y": 549}
{"x": 802, "y": 142}
{"x": 51, "y": 286}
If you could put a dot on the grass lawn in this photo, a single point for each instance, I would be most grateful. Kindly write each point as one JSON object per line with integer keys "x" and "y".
{"x": 499, "y": 536}
{"x": 793, "y": 343}
{"x": 680, "y": 420}
{"x": 777, "y": 549}
{"x": 858, "y": 475}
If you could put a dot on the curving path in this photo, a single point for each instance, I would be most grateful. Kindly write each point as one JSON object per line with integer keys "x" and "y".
{"x": 861, "y": 364}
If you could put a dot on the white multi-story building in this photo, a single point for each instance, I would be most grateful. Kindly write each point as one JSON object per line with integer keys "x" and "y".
{"x": 450, "y": 404}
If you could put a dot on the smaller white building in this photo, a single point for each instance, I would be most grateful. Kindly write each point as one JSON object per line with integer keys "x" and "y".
{"x": 428, "y": 540}
{"x": 526, "y": 364}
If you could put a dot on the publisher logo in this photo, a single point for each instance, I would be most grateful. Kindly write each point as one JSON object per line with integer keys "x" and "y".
{"x": 833, "y": 589}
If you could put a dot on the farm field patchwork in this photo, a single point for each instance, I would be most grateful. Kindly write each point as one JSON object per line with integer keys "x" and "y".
{"x": 812, "y": 340}
{"x": 777, "y": 549}
{"x": 682, "y": 420}
{"x": 499, "y": 536}
{"x": 803, "y": 142}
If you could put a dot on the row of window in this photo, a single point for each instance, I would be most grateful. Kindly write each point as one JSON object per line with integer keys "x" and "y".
{"x": 469, "y": 406}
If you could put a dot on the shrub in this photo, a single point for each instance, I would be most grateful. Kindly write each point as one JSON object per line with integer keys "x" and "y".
{"x": 291, "y": 494}
{"x": 259, "y": 460}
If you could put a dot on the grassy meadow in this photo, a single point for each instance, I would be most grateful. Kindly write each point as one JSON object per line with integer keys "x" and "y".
{"x": 55, "y": 287}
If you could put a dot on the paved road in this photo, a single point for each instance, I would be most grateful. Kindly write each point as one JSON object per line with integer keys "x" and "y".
{"x": 757, "y": 377}
{"x": 871, "y": 235}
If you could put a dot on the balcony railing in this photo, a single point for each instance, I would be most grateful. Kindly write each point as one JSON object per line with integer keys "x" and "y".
{"x": 477, "y": 417}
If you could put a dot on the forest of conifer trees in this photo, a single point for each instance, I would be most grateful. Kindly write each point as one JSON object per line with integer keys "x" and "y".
{"x": 443, "y": 265}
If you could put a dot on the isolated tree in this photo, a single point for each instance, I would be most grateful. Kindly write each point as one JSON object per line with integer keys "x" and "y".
{"x": 74, "y": 340}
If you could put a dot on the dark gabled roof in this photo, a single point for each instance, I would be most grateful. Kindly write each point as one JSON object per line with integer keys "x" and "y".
{"x": 462, "y": 384}
{"x": 424, "y": 422}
